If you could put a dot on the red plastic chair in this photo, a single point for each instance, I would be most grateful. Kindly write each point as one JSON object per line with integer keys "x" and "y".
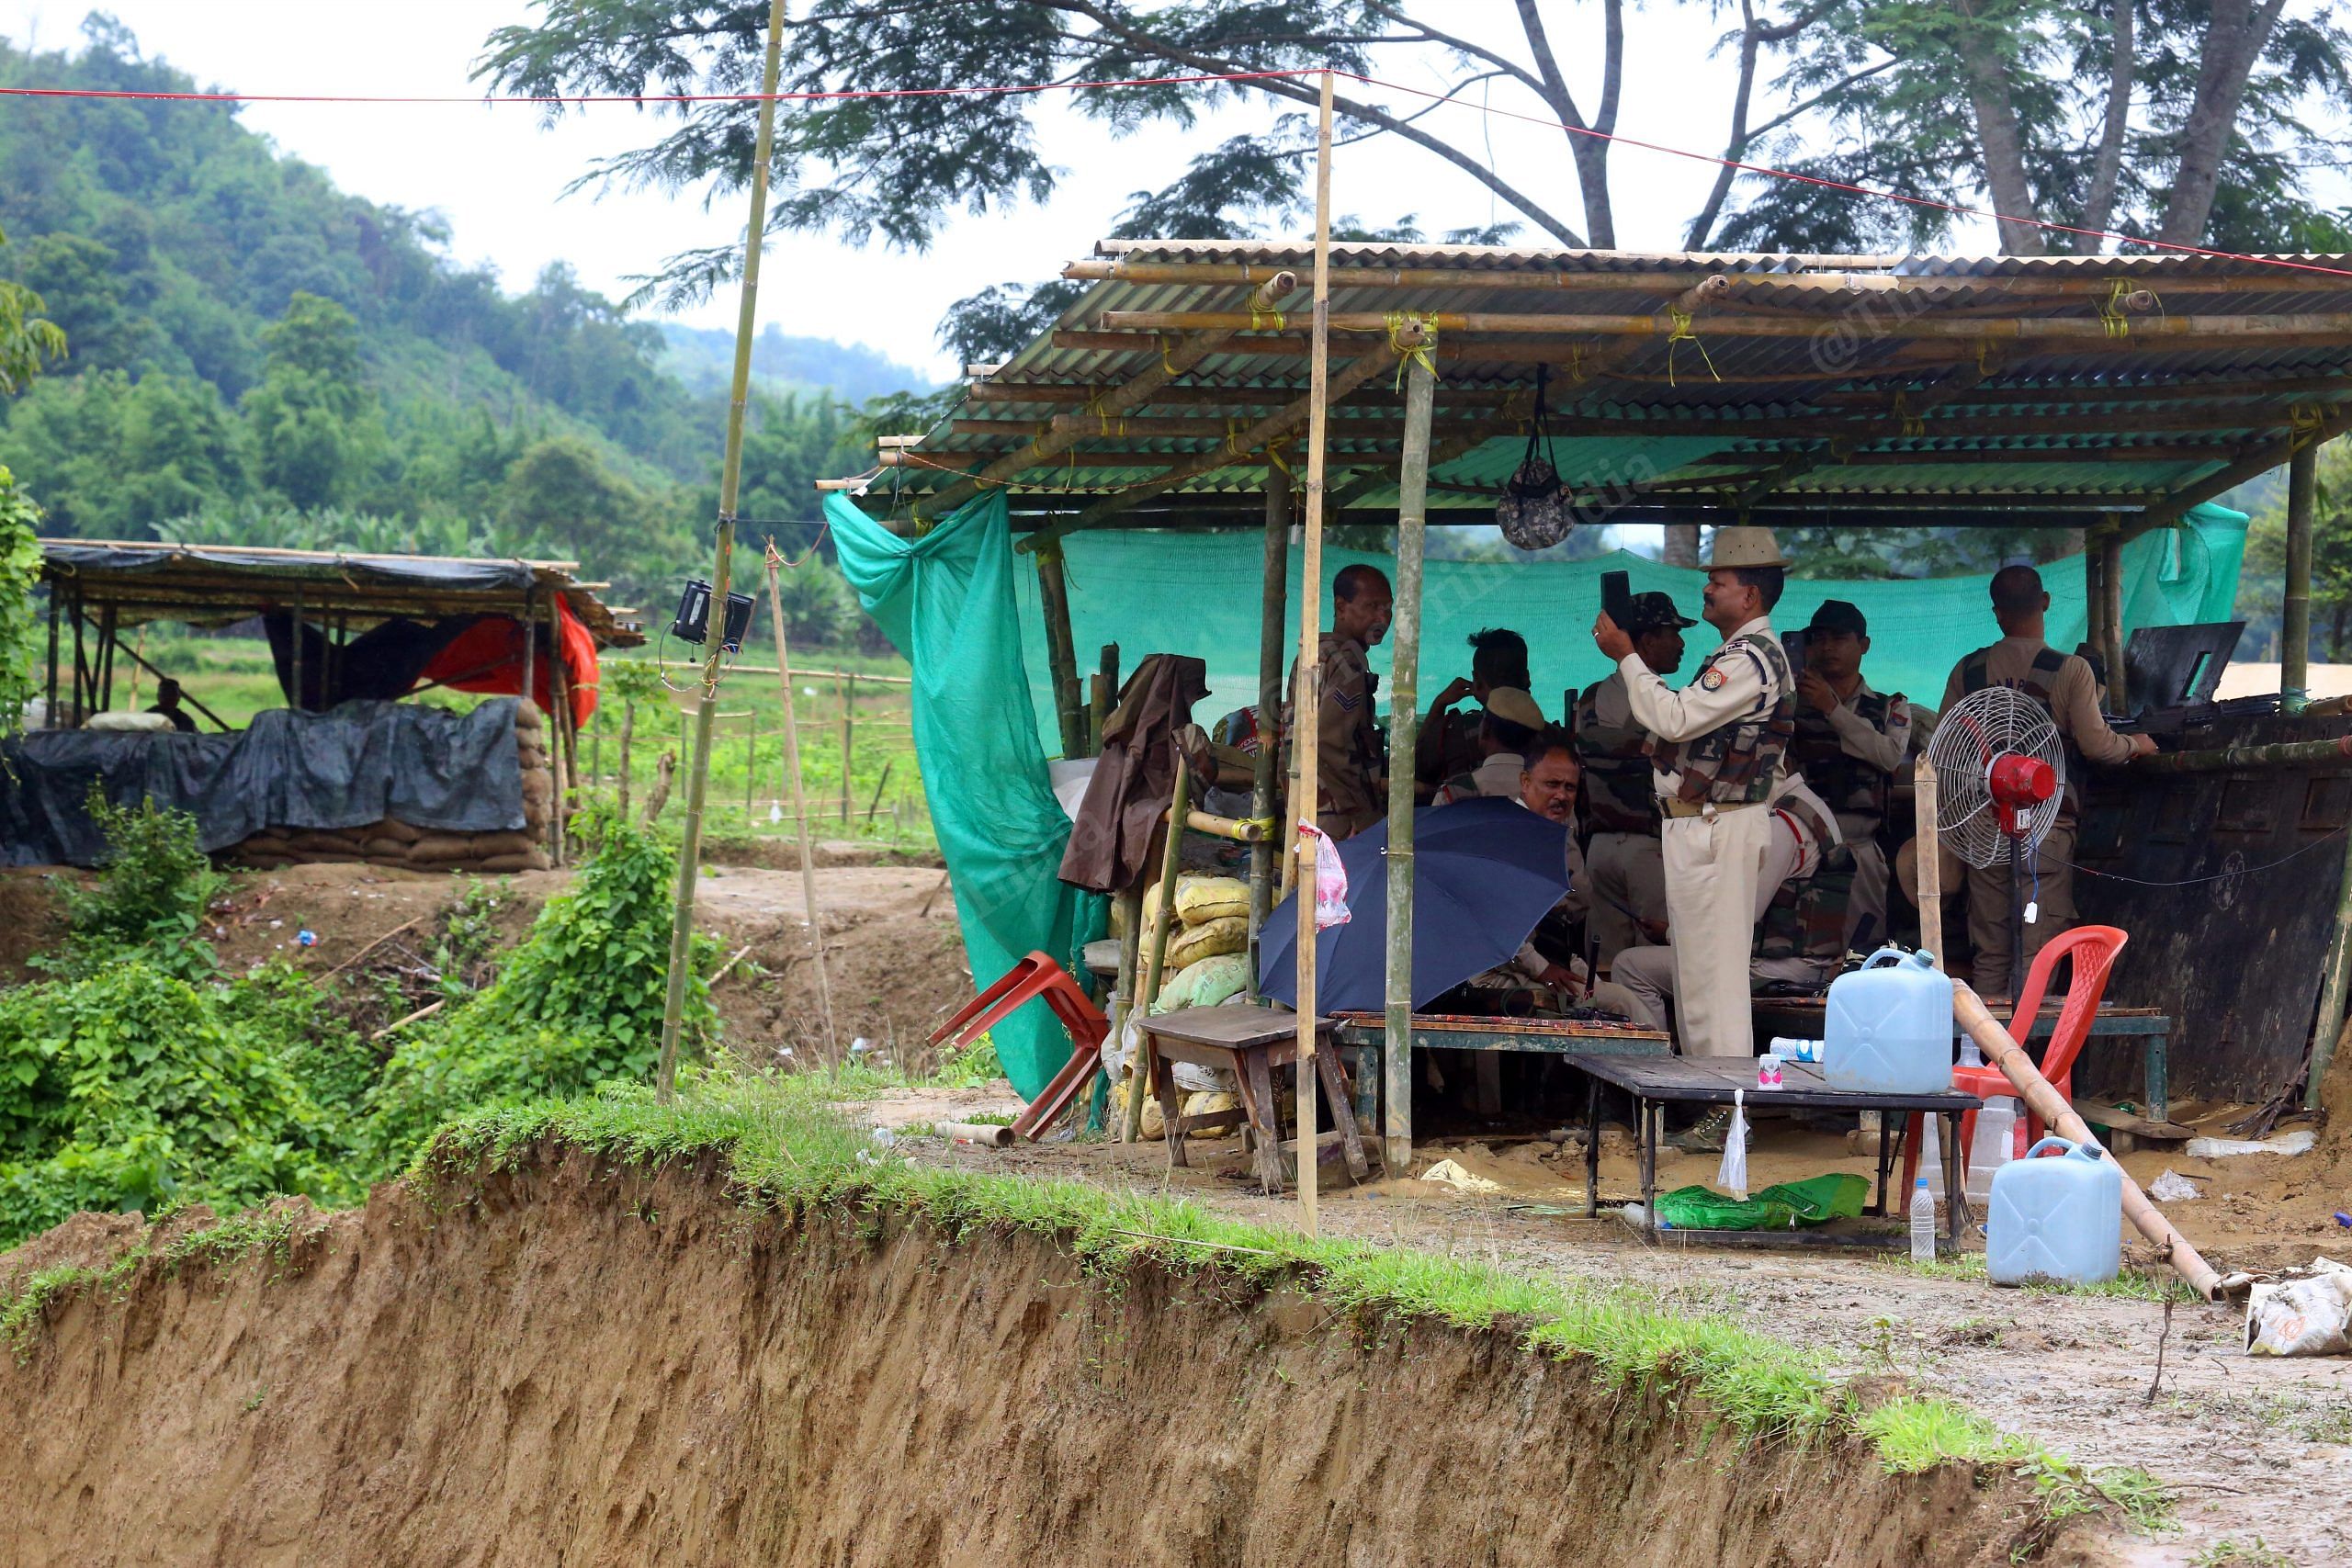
{"x": 1034, "y": 978}
{"x": 2093, "y": 948}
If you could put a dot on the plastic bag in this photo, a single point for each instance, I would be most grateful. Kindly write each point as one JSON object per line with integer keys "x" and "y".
{"x": 1732, "y": 1174}
{"x": 1330, "y": 880}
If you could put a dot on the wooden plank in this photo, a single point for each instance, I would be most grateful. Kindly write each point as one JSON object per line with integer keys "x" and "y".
{"x": 2118, "y": 1120}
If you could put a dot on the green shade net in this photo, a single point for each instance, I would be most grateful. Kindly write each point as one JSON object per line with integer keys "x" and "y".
{"x": 946, "y": 600}
{"x": 1784, "y": 1205}
{"x": 1156, "y": 591}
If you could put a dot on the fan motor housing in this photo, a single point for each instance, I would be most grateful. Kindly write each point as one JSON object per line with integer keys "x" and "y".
{"x": 2018, "y": 784}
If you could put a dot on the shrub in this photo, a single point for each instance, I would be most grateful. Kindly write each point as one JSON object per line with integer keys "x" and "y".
{"x": 148, "y": 902}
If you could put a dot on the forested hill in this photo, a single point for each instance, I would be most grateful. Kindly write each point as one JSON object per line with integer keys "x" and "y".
{"x": 255, "y": 353}
{"x": 704, "y": 358}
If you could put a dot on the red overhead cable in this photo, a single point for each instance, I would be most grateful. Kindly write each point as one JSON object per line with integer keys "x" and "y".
{"x": 1764, "y": 170}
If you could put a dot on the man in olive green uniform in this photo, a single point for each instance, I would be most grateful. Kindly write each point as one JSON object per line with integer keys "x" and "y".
{"x": 1447, "y": 743}
{"x": 1628, "y": 878}
{"x": 1849, "y": 742}
{"x": 2062, "y": 683}
{"x": 1715, "y": 752}
{"x": 1353, "y": 793}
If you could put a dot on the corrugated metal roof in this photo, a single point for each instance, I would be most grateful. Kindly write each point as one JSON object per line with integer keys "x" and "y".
{"x": 1904, "y": 381}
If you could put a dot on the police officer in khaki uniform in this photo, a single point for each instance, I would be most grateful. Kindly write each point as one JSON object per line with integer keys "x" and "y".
{"x": 1849, "y": 742}
{"x": 1628, "y": 878}
{"x": 2062, "y": 683}
{"x": 1348, "y": 767}
{"x": 1717, "y": 748}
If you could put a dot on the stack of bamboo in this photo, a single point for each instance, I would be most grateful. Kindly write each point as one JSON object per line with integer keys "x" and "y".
{"x": 403, "y": 846}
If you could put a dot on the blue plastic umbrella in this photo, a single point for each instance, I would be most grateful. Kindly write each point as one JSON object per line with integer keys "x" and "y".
{"x": 1487, "y": 871}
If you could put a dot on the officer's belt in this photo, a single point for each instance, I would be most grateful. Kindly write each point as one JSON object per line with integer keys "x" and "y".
{"x": 1674, "y": 806}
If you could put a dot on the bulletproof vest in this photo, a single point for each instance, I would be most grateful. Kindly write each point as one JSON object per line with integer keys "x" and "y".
{"x": 1618, "y": 794}
{"x": 2039, "y": 682}
{"x": 1736, "y": 763}
{"x": 1807, "y": 919}
{"x": 1850, "y": 786}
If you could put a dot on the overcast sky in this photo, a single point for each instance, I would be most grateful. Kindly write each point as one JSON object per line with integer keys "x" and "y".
{"x": 498, "y": 174}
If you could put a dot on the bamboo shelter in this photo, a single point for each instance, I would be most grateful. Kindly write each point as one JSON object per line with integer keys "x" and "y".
{"x": 2105, "y": 394}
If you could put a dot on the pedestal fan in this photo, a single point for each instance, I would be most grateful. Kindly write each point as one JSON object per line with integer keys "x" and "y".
{"x": 1999, "y": 768}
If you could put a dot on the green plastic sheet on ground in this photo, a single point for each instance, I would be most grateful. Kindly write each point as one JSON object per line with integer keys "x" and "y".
{"x": 1160, "y": 591}
{"x": 1784, "y": 1205}
{"x": 946, "y": 600}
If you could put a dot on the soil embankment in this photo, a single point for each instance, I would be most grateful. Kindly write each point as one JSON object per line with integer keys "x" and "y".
{"x": 592, "y": 1364}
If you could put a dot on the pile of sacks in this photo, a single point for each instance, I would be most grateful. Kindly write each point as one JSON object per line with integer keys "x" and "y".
{"x": 1207, "y": 963}
{"x": 401, "y": 846}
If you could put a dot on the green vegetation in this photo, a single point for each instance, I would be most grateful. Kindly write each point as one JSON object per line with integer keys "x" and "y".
{"x": 19, "y": 568}
{"x": 2250, "y": 1552}
{"x": 149, "y": 898}
{"x": 2130, "y": 1284}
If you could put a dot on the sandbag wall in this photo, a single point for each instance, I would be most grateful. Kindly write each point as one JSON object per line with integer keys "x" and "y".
{"x": 401, "y": 846}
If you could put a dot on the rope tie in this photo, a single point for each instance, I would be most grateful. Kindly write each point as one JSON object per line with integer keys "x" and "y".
{"x": 2306, "y": 423}
{"x": 1260, "y": 316}
{"x": 1275, "y": 455}
{"x": 1576, "y": 363}
{"x": 1682, "y": 333}
{"x": 1424, "y": 353}
{"x": 1233, "y": 436}
{"x": 1166, "y": 363}
{"x": 2110, "y": 310}
{"x": 1908, "y": 422}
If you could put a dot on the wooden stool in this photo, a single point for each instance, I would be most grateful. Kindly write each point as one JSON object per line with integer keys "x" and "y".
{"x": 1249, "y": 1043}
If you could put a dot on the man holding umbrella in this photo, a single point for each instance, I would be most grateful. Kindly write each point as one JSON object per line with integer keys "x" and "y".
{"x": 1715, "y": 758}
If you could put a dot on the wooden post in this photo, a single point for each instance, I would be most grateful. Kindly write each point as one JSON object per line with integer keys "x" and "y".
{"x": 799, "y": 800}
{"x": 2095, "y": 596}
{"x": 730, "y": 474}
{"x": 297, "y": 703}
{"x": 106, "y": 657}
{"x": 530, "y": 627}
{"x": 1307, "y": 730}
{"x": 1264, "y": 803}
{"x": 2295, "y": 620}
{"x": 750, "y": 762}
{"x": 1106, "y": 697}
{"x": 1930, "y": 869}
{"x": 1155, "y": 962}
{"x": 56, "y": 598}
{"x": 848, "y": 697}
{"x": 558, "y": 727}
{"x": 628, "y": 723}
{"x": 1061, "y": 650}
{"x": 1404, "y": 721}
{"x": 2110, "y": 573}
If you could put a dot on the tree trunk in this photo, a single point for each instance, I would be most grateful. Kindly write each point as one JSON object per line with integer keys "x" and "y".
{"x": 1590, "y": 153}
{"x": 1750, "y": 40}
{"x": 2107, "y": 165}
{"x": 1998, "y": 138}
{"x": 2233, "y": 43}
{"x": 1681, "y": 543}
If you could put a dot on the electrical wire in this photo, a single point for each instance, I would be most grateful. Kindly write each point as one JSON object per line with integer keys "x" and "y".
{"x": 2328, "y": 837}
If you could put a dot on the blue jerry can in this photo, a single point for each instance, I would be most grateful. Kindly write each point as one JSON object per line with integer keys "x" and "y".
{"x": 2055, "y": 1219}
{"x": 1888, "y": 1028}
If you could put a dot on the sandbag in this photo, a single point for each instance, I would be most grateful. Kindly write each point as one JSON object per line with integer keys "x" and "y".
{"x": 393, "y": 827}
{"x": 326, "y": 844}
{"x": 392, "y": 863}
{"x": 1209, "y": 1103}
{"x": 1189, "y": 946}
{"x": 1155, "y": 1122}
{"x": 385, "y": 849}
{"x": 1200, "y": 900}
{"x": 535, "y": 861}
{"x": 1205, "y": 983}
{"x": 527, "y": 714}
{"x": 439, "y": 847}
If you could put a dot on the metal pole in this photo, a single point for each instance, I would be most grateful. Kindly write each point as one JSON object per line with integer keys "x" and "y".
{"x": 1306, "y": 730}
{"x": 1264, "y": 799}
{"x": 730, "y": 474}
{"x": 2295, "y": 619}
{"x": 800, "y": 801}
{"x": 1404, "y": 722}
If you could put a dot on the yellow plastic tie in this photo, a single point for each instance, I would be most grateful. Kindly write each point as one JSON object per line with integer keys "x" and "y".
{"x": 1275, "y": 455}
{"x": 1908, "y": 422}
{"x": 1682, "y": 333}
{"x": 1425, "y": 352}
{"x": 1166, "y": 363}
{"x": 1259, "y": 317}
{"x": 2110, "y": 310}
{"x": 1576, "y": 363}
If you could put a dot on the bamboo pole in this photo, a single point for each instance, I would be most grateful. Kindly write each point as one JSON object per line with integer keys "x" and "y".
{"x": 2004, "y": 1052}
{"x": 2259, "y": 461}
{"x": 751, "y": 761}
{"x": 2110, "y": 584}
{"x": 2161, "y": 331}
{"x": 1061, "y": 651}
{"x": 2095, "y": 593}
{"x": 849, "y": 700}
{"x": 1404, "y": 722}
{"x": 1155, "y": 963}
{"x": 2295, "y": 620}
{"x": 2233, "y": 758}
{"x": 559, "y": 724}
{"x": 1930, "y": 868}
{"x": 1273, "y": 592}
{"x": 730, "y": 474}
{"x": 800, "y": 799}
{"x": 2335, "y": 983}
{"x": 1306, "y": 732}
{"x": 628, "y": 723}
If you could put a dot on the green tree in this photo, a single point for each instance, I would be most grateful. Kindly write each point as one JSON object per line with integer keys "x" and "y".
{"x": 116, "y": 459}
{"x": 314, "y": 419}
{"x": 2265, "y": 554}
{"x": 562, "y": 492}
{"x": 19, "y": 570}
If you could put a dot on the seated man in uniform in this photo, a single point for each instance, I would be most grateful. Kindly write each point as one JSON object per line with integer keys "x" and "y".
{"x": 1511, "y": 723}
{"x": 1447, "y": 743}
{"x": 1850, "y": 741}
{"x": 167, "y": 703}
{"x": 1628, "y": 878}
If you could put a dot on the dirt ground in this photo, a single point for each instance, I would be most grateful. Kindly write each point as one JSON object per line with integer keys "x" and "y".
{"x": 2254, "y": 1446}
{"x": 894, "y": 957}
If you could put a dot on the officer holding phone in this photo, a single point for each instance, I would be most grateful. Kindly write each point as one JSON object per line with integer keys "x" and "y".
{"x": 1849, "y": 742}
{"x": 1628, "y": 878}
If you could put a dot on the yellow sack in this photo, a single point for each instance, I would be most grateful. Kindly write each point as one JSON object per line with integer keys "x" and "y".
{"x": 1200, "y": 900}
{"x": 1155, "y": 1125}
{"x": 1207, "y": 1103}
{"x": 1230, "y": 934}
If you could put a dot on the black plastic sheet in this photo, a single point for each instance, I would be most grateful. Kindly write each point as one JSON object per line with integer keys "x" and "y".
{"x": 356, "y": 764}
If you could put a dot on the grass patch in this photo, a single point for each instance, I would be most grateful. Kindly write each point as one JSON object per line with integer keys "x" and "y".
{"x": 786, "y": 1149}
{"x": 2251, "y": 1552}
{"x": 2130, "y": 1284}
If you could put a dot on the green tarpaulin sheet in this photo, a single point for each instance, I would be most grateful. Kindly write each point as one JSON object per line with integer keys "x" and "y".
{"x": 1815, "y": 1201}
{"x": 946, "y": 601}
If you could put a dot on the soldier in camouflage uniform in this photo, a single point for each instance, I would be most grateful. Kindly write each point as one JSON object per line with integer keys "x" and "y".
{"x": 1849, "y": 742}
{"x": 1621, "y": 803}
{"x": 1352, "y": 793}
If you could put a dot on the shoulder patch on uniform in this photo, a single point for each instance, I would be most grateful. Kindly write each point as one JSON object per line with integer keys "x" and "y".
{"x": 1713, "y": 679}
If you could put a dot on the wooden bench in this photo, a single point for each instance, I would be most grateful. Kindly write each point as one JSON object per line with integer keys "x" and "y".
{"x": 1249, "y": 1043}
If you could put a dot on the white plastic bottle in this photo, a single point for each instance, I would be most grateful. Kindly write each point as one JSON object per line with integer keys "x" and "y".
{"x": 1923, "y": 1223}
{"x": 1989, "y": 1149}
{"x": 1931, "y": 1155}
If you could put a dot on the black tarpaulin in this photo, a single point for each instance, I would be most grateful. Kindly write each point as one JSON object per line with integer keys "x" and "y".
{"x": 353, "y": 765}
{"x": 421, "y": 572}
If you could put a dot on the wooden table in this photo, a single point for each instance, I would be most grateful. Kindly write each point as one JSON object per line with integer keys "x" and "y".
{"x": 1801, "y": 1017}
{"x": 1368, "y": 1032}
{"x": 1656, "y": 1083}
{"x": 1249, "y": 1043}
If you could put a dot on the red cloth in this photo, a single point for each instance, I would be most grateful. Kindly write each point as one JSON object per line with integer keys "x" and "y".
{"x": 488, "y": 656}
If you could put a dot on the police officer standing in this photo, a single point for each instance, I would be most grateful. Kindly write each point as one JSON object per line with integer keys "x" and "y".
{"x": 1716, "y": 752}
{"x": 1849, "y": 742}
{"x": 1628, "y": 878}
